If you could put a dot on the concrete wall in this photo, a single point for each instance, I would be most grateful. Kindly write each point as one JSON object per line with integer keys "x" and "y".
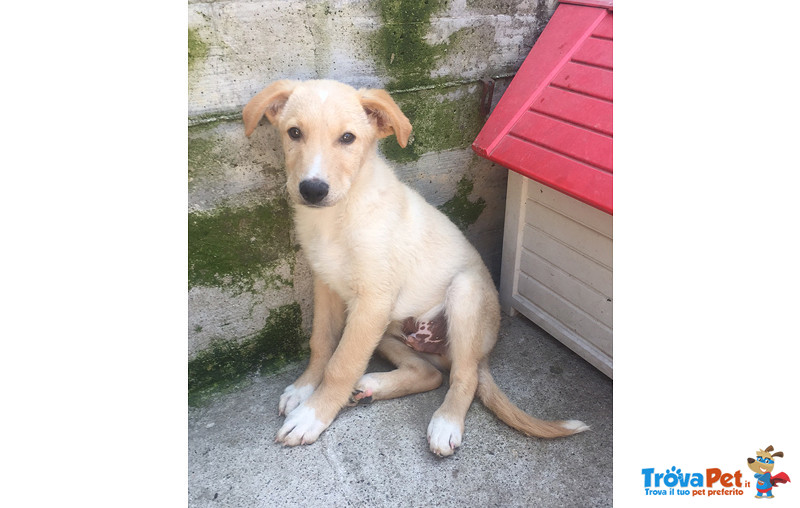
{"x": 249, "y": 284}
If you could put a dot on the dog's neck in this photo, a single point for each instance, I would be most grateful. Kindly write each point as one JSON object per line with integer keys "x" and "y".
{"x": 374, "y": 175}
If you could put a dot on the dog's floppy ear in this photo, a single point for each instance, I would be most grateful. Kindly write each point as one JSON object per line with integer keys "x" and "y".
{"x": 383, "y": 111}
{"x": 268, "y": 102}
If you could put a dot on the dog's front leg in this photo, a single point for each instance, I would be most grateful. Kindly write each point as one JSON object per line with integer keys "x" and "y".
{"x": 367, "y": 320}
{"x": 326, "y": 329}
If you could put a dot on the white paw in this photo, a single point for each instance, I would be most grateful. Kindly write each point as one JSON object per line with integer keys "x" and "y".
{"x": 365, "y": 388}
{"x": 300, "y": 427}
{"x": 444, "y": 436}
{"x": 293, "y": 397}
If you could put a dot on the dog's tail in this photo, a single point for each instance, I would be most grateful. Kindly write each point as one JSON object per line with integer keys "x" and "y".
{"x": 514, "y": 417}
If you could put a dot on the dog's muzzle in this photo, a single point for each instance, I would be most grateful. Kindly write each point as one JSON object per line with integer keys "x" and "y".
{"x": 313, "y": 190}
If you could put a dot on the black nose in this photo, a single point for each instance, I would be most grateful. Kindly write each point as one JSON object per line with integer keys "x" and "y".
{"x": 314, "y": 190}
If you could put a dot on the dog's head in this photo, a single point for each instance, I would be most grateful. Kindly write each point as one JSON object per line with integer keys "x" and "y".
{"x": 328, "y": 130}
{"x": 764, "y": 461}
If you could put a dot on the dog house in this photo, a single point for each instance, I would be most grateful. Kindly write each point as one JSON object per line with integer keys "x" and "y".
{"x": 553, "y": 129}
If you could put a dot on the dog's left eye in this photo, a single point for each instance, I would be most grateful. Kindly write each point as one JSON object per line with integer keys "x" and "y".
{"x": 347, "y": 138}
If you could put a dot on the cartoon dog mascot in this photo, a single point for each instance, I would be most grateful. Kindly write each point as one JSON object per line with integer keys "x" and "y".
{"x": 763, "y": 465}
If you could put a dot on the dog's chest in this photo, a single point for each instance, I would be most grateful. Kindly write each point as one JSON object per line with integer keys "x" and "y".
{"x": 331, "y": 261}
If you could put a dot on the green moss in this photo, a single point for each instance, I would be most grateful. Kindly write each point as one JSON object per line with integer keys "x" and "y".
{"x": 400, "y": 42}
{"x": 460, "y": 209}
{"x": 208, "y": 156}
{"x": 225, "y": 364}
{"x": 212, "y": 120}
{"x": 439, "y": 123}
{"x": 235, "y": 246}
{"x": 201, "y": 152}
{"x": 198, "y": 49}
{"x": 400, "y": 47}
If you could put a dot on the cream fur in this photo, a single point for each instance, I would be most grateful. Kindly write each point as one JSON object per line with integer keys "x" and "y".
{"x": 362, "y": 240}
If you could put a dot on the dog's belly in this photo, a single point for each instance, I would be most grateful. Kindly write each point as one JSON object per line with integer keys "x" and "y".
{"x": 428, "y": 336}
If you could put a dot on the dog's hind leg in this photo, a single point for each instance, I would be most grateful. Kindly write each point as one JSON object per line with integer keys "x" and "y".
{"x": 329, "y": 315}
{"x": 473, "y": 316}
{"x": 413, "y": 374}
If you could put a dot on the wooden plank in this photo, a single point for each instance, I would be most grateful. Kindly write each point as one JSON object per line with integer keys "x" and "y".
{"x": 516, "y": 193}
{"x": 581, "y": 181}
{"x": 570, "y": 316}
{"x": 598, "y": 52}
{"x": 582, "y": 213}
{"x": 577, "y": 236}
{"x": 586, "y": 350}
{"x": 587, "y": 270}
{"x": 585, "y": 79}
{"x": 580, "y": 170}
{"x": 606, "y": 28}
{"x": 573, "y": 291}
{"x": 606, "y": 4}
{"x": 567, "y": 27}
{"x": 565, "y": 138}
{"x": 580, "y": 109}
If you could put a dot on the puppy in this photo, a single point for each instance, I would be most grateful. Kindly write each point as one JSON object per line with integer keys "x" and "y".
{"x": 424, "y": 309}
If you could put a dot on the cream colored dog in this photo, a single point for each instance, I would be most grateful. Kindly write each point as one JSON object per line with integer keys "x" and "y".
{"x": 374, "y": 287}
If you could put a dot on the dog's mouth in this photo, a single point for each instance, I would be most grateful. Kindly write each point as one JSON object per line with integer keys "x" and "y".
{"x": 297, "y": 199}
{"x": 326, "y": 202}
{"x": 314, "y": 205}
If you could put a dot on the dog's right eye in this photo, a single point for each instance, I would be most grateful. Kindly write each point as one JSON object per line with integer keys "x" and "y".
{"x": 295, "y": 133}
{"x": 347, "y": 138}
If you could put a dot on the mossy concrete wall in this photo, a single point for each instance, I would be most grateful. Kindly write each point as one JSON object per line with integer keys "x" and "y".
{"x": 249, "y": 284}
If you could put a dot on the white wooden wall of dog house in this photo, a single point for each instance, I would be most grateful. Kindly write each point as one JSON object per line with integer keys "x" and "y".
{"x": 557, "y": 268}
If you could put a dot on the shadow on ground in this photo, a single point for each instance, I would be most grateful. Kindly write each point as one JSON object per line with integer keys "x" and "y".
{"x": 377, "y": 455}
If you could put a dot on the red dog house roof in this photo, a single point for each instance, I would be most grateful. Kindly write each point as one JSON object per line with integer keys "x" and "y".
{"x": 554, "y": 122}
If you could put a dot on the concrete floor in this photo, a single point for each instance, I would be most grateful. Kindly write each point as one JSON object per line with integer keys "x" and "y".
{"x": 377, "y": 455}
